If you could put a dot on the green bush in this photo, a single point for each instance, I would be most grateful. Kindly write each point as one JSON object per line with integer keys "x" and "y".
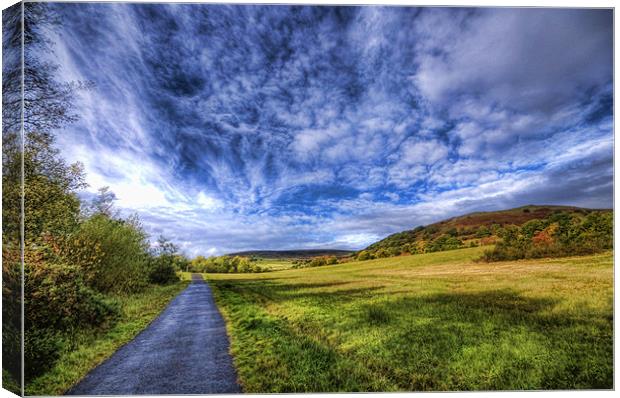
{"x": 163, "y": 262}
{"x": 11, "y": 309}
{"x": 42, "y": 348}
{"x": 112, "y": 253}
{"x": 57, "y": 303}
{"x": 364, "y": 255}
{"x": 57, "y": 297}
{"x": 483, "y": 232}
{"x": 444, "y": 242}
{"x": 162, "y": 270}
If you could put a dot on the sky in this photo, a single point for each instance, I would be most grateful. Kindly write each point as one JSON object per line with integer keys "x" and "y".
{"x": 231, "y": 128}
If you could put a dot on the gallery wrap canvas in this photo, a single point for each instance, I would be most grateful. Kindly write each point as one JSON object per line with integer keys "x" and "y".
{"x": 257, "y": 198}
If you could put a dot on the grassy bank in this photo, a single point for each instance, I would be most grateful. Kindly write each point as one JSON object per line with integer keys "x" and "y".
{"x": 91, "y": 348}
{"x": 435, "y": 321}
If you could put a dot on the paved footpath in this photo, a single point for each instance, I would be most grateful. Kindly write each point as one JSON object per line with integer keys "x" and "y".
{"x": 184, "y": 351}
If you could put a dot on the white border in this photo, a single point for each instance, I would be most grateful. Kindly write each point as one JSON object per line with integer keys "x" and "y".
{"x": 476, "y": 3}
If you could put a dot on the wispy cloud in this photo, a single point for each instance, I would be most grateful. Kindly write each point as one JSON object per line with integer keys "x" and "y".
{"x": 245, "y": 127}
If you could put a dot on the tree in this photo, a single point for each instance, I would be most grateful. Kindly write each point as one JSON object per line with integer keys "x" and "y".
{"x": 103, "y": 203}
{"x": 48, "y": 183}
{"x": 364, "y": 255}
{"x": 483, "y": 232}
{"x": 47, "y": 104}
{"x": 163, "y": 262}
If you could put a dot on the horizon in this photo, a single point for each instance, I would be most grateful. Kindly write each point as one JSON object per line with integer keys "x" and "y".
{"x": 246, "y": 127}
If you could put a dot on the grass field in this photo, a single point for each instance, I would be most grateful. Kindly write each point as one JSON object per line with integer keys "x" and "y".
{"x": 91, "y": 349}
{"x": 274, "y": 264}
{"x": 427, "y": 322}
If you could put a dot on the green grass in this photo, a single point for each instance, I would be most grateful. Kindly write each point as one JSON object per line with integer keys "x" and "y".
{"x": 436, "y": 321}
{"x": 91, "y": 348}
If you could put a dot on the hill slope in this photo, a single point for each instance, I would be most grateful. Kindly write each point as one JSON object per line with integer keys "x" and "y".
{"x": 470, "y": 228}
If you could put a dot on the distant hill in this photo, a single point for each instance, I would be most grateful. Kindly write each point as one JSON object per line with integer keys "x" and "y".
{"x": 292, "y": 254}
{"x": 469, "y": 228}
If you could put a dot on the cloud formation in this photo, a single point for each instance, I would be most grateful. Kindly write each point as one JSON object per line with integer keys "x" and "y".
{"x": 274, "y": 127}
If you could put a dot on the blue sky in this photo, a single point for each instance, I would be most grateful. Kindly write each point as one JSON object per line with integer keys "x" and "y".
{"x": 274, "y": 127}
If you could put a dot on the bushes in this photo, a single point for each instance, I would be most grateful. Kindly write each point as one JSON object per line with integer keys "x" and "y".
{"x": 364, "y": 255}
{"x": 57, "y": 303}
{"x": 57, "y": 297}
{"x": 224, "y": 265}
{"x": 162, "y": 271}
{"x": 560, "y": 234}
{"x": 112, "y": 253}
{"x": 163, "y": 262}
{"x": 444, "y": 242}
{"x": 11, "y": 310}
{"x": 315, "y": 262}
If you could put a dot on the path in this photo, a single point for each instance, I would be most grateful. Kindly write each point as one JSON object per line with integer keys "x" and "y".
{"x": 184, "y": 351}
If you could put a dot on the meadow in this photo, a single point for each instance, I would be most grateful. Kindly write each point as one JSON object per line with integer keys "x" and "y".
{"x": 431, "y": 322}
{"x": 274, "y": 264}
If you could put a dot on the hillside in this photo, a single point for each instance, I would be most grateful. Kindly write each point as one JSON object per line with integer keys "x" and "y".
{"x": 292, "y": 254}
{"x": 470, "y": 229}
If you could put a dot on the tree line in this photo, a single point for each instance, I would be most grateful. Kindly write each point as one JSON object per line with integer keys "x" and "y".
{"x": 224, "y": 265}
{"x": 561, "y": 234}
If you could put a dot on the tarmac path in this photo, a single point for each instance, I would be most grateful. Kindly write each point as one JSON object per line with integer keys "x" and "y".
{"x": 183, "y": 351}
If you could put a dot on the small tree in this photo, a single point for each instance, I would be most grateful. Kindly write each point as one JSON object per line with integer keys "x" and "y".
{"x": 103, "y": 203}
{"x": 162, "y": 264}
{"x": 364, "y": 255}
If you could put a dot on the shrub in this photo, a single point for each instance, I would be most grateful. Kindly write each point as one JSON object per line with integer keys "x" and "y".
{"x": 394, "y": 251}
{"x": 331, "y": 260}
{"x": 483, "y": 232}
{"x": 317, "y": 262}
{"x": 57, "y": 303}
{"x": 162, "y": 270}
{"x": 364, "y": 255}
{"x": 444, "y": 242}
{"x": 162, "y": 262}
{"x": 57, "y": 297}
{"x": 112, "y": 253}
{"x": 11, "y": 309}
{"x": 42, "y": 348}
{"x": 381, "y": 253}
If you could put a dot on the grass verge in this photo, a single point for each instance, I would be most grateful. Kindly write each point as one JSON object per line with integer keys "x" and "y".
{"x": 91, "y": 348}
{"x": 432, "y": 322}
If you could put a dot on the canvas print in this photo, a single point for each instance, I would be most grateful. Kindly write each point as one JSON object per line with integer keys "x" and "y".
{"x": 225, "y": 198}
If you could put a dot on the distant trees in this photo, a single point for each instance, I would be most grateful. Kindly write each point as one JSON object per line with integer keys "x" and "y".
{"x": 444, "y": 242}
{"x": 422, "y": 242}
{"x": 483, "y": 232}
{"x": 224, "y": 264}
{"x": 364, "y": 255}
{"x": 560, "y": 234}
